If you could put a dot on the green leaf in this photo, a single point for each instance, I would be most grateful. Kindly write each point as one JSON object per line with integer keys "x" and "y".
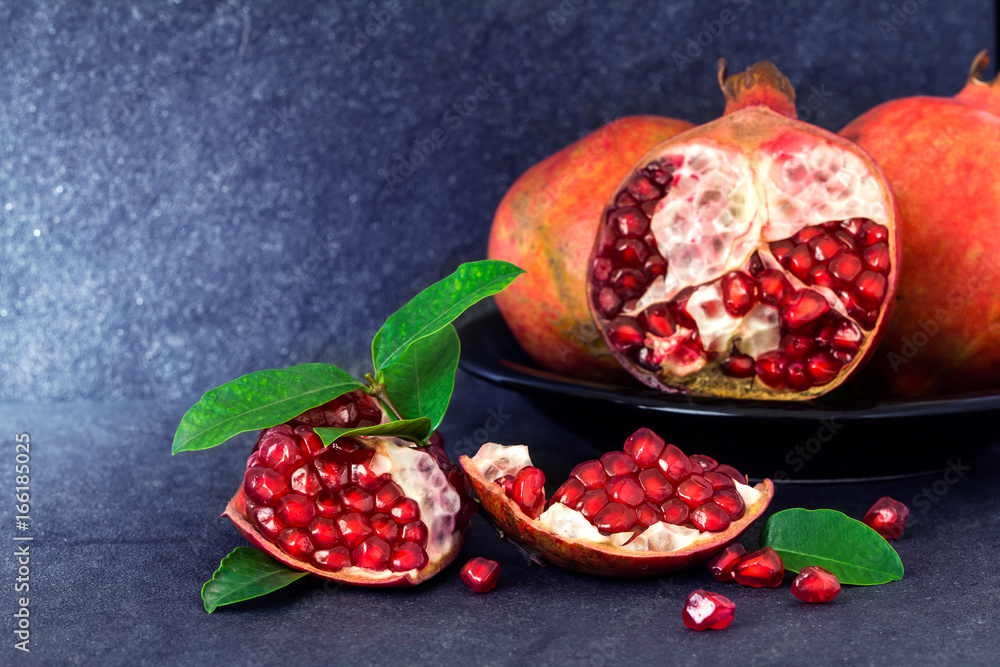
{"x": 421, "y": 382}
{"x": 438, "y": 305}
{"x": 245, "y": 574}
{"x": 830, "y": 539}
{"x": 259, "y": 400}
{"x": 410, "y": 429}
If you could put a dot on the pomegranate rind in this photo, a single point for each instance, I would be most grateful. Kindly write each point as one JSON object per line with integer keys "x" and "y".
{"x": 603, "y": 560}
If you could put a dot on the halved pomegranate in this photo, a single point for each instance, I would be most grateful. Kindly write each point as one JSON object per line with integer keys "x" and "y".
{"x": 752, "y": 257}
{"x": 636, "y": 512}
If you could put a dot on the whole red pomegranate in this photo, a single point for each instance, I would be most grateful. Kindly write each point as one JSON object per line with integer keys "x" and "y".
{"x": 545, "y": 224}
{"x": 753, "y": 257}
{"x": 369, "y": 511}
{"x": 941, "y": 156}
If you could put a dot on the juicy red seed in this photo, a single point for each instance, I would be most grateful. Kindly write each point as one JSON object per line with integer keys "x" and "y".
{"x": 626, "y": 490}
{"x": 815, "y": 584}
{"x": 732, "y": 472}
{"x": 871, "y": 233}
{"x": 507, "y": 482}
{"x": 824, "y": 247}
{"x": 887, "y": 517}
{"x": 415, "y": 531}
{"x": 266, "y": 522}
{"x": 799, "y": 261}
{"x": 296, "y": 543}
{"x": 647, "y": 515}
{"x": 804, "y": 307}
{"x": 264, "y": 486}
{"x": 738, "y": 366}
{"x": 695, "y": 491}
{"x": 719, "y": 480}
{"x": 845, "y": 267}
{"x": 387, "y": 495}
{"x": 655, "y": 266}
{"x": 624, "y": 334}
{"x": 869, "y": 319}
{"x": 675, "y": 511}
{"x": 852, "y": 225}
{"x": 678, "y": 310}
{"x": 771, "y": 369}
{"x": 362, "y": 475}
{"x": 591, "y": 502}
{"x": 601, "y": 269}
{"x": 876, "y": 257}
{"x": 760, "y": 568}
{"x": 252, "y": 461}
{"x": 708, "y": 611}
{"x": 796, "y": 376}
{"x": 774, "y": 287}
{"x": 643, "y": 188}
{"x": 631, "y": 252}
{"x": 591, "y": 473}
{"x": 625, "y": 199}
{"x": 372, "y": 554}
{"x": 354, "y": 527}
{"x": 707, "y": 463}
{"x": 614, "y": 518}
{"x": 823, "y": 367}
{"x": 407, "y": 556}
{"x": 722, "y": 565}
{"x": 795, "y": 346}
{"x": 644, "y": 447}
{"x": 710, "y": 517}
{"x": 609, "y": 303}
{"x": 405, "y": 510}
{"x": 806, "y": 234}
{"x": 674, "y": 463}
{"x": 628, "y": 221}
{"x": 845, "y": 238}
{"x": 323, "y": 532}
{"x": 327, "y": 504}
{"x": 628, "y": 283}
{"x": 739, "y": 293}
{"x": 569, "y": 493}
{"x": 844, "y": 336}
{"x": 294, "y": 509}
{"x": 529, "y": 491}
{"x": 618, "y": 463}
{"x": 842, "y": 357}
{"x": 480, "y": 574}
{"x": 781, "y": 248}
{"x": 731, "y": 501}
{"x": 385, "y": 527}
{"x": 870, "y": 289}
{"x": 655, "y": 485}
{"x": 311, "y": 444}
{"x": 305, "y": 481}
{"x": 279, "y": 452}
{"x": 332, "y": 471}
{"x": 754, "y": 264}
{"x": 333, "y": 559}
{"x": 819, "y": 277}
{"x": 662, "y": 174}
{"x": 354, "y": 498}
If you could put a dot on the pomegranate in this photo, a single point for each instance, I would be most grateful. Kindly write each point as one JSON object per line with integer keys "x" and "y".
{"x": 940, "y": 155}
{"x": 546, "y": 224}
{"x": 708, "y": 611}
{"x": 760, "y": 568}
{"x": 887, "y": 517}
{"x": 640, "y": 511}
{"x": 722, "y": 565}
{"x": 375, "y": 511}
{"x": 480, "y": 574}
{"x": 752, "y": 257}
{"x": 815, "y": 584}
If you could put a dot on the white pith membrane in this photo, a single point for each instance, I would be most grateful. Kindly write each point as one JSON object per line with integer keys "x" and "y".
{"x": 494, "y": 461}
{"x": 722, "y": 206}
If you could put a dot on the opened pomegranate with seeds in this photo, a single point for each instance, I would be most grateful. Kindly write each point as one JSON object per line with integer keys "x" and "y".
{"x": 640, "y": 511}
{"x": 368, "y": 510}
{"x": 754, "y": 257}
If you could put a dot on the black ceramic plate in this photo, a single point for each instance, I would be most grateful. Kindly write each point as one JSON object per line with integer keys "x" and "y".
{"x": 835, "y": 437}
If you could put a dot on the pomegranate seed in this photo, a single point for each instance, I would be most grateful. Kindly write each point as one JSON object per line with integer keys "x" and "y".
{"x": 415, "y": 531}
{"x": 760, "y": 568}
{"x": 357, "y": 499}
{"x": 311, "y": 444}
{"x": 601, "y": 269}
{"x": 675, "y": 511}
{"x": 373, "y": 553}
{"x": 845, "y": 238}
{"x": 738, "y": 366}
{"x": 807, "y": 234}
{"x": 569, "y": 493}
{"x": 722, "y": 565}
{"x": 529, "y": 491}
{"x": 591, "y": 502}
{"x": 796, "y": 346}
{"x": 823, "y": 367}
{"x": 626, "y": 490}
{"x": 625, "y": 199}
{"x": 264, "y": 486}
{"x": 354, "y": 527}
{"x": 323, "y": 532}
{"x": 846, "y": 336}
{"x": 480, "y": 574}
{"x": 708, "y": 611}
{"x": 327, "y": 504}
{"x": 824, "y": 247}
{"x": 628, "y": 283}
{"x": 618, "y": 463}
{"x": 385, "y": 527}
{"x": 876, "y": 257}
{"x": 608, "y": 302}
{"x": 591, "y": 473}
{"x": 631, "y": 252}
{"x": 647, "y": 515}
{"x": 507, "y": 483}
{"x": 305, "y": 481}
{"x": 405, "y": 510}
{"x": 361, "y": 473}
{"x": 644, "y": 189}
{"x": 655, "y": 265}
{"x": 279, "y": 452}
{"x": 707, "y": 463}
{"x": 267, "y": 523}
{"x": 804, "y": 307}
{"x": 779, "y": 249}
{"x": 657, "y": 321}
{"x": 754, "y": 264}
{"x": 815, "y": 584}
{"x": 296, "y": 510}
{"x": 655, "y": 485}
{"x": 332, "y": 471}
{"x": 695, "y": 490}
{"x": 387, "y": 496}
{"x": 333, "y": 559}
{"x": 731, "y": 501}
{"x": 845, "y": 267}
{"x": 796, "y": 376}
{"x": 732, "y": 472}
{"x": 615, "y": 518}
{"x": 295, "y": 542}
{"x": 407, "y": 556}
{"x": 739, "y": 293}
{"x": 624, "y": 334}
{"x": 674, "y": 463}
{"x": 719, "y": 480}
{"x": 770, "y": 369}
{"x": 819, "y": 277}
{"x": 887, "y": 517}
{"x": 774, "y": 288}
{"x": 870, "y": 289}
{"x": 710, "y": 517}
{"x": 871, "y": 233}
{"x": 644, "y": 447}
{"x": 852, "y": 225}
{"x": 799, "y": 262}
{"x": 628, "y": 221}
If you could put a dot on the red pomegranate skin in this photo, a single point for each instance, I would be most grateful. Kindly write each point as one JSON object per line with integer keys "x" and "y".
{"x": 941, "y": 156}
{"x": 546, "y": 225}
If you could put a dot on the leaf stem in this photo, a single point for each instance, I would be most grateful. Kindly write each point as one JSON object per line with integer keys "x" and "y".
{"x": 378, "y": 389}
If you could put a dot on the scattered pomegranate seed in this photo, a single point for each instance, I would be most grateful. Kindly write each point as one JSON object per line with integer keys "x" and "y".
{"x": 480, "y": 574}
{"x": 887, "y": 517}
{"x": 708, "y": 611}
{"x": 815, "y": 584}
{"x": 722, "y": 565}
{"x": 760, "y": 568}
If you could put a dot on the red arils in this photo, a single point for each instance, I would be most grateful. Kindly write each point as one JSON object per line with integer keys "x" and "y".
{"x": 644, "y": 447}
{"x": 591, "y": 474}
{"x": 568, "y": 494}
{"x": 263, "y": 485}
{"x": 722, "y": 565}
{"x": 710, "y": 517}
{"x": 529, "y": 491}
{"x": 760, "y": 568}
{"x": 675, "y": 511}
{"x": 695, "y": 491}
{"x": 804, "y": 307}
{"x": 730, "y": 500}
{"x": 480, "y": 574}
{"x": 674, "y": 463}
{"x": 771, "y": 368}
{"x": 708, "y": 611}
{"x": 615, "y": 518}
{"x": 739, "y": 293}
{"x": 407, "y": 556}
{"x": 887, "y": 517}
{"x": 815, "y": 584}
{"x": 618, "y": 463}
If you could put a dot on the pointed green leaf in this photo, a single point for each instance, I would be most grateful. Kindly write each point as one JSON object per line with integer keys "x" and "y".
{"x": 830, "y": 539}
{"x": 438, "y": 305}
{"x": 409, "y": 429}
{"x": 258, "y": 400}
{"x": 245, "y": 574}
{"x": 421, "y": 382}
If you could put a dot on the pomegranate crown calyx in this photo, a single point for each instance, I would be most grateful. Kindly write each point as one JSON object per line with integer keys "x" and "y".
{"x": 979, "y": 64}
{"x": 761, "y": 84}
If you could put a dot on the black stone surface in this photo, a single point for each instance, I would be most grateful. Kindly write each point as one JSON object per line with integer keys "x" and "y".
{"x": 194, "y": 190}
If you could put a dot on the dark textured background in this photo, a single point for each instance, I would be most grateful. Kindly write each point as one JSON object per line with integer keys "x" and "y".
{"x": 194, "y": 190}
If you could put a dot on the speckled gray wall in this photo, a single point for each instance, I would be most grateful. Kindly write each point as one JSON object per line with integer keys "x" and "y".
{"x": 194, "y": 190}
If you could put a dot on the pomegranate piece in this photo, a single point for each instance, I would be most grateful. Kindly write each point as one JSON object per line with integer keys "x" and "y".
{"x": 705, "y": 610}
{"x": 815, "y": 584}
{"x": 480, "y": 574}
{"x": 767, "y": 235}
{"x": 760, "y": 568}
{"x": 722, "y": 565}
{"x": 887, "y": 517}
